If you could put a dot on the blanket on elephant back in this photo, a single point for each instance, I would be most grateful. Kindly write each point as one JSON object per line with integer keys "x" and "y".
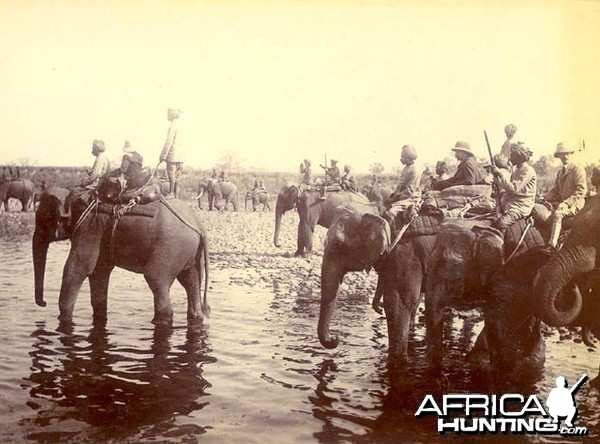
{"x": 422, "y": 226}
{"x": 145, "y": 210}
{"x": 533, "y": 238}
{"x": 479, "y": 197}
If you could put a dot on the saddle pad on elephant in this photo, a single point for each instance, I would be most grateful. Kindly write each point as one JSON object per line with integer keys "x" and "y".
{"x": 422, "y": 225}
{"x": 146, "y": 210}
{"x": 533, "y": 238}
{"x": 467, "y": 191}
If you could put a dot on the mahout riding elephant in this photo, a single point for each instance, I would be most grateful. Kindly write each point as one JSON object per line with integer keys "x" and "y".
{"x": 20, "y": 189}
{"x": 567, "y": 287}
{"x": 312, "y": 210}
{"x": 357, "y": 244}
{"x": 467, "y": 259}
{"x": 220, "y": 194}
{"x": 257, "y": 198}
{"x": 163, "y": 240}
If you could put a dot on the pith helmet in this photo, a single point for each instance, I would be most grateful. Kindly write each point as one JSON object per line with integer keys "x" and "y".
{"x": 462, "y": 146}
{"x": 174, "y": 113}
{"x": 563, "y": 147}
{"x": 127, "y": 147}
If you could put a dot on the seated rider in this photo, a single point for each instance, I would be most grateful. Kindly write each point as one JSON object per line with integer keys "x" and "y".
{"x": 467, "y": 172}
{"x": 332, "y": 176}
{"x": 222, "y": 177}
{"x": 517, "y": 190}
{"x": 131, "y": 168}
{"x": 348, "y": 181}
{"x": 101, "y": 165}
{"x": 567, "y": 196}
{"x": 407, "y": 191}
{"x": 305, "y": 173}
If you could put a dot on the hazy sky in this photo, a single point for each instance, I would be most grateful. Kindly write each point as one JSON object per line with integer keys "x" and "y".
{"x": 278, "y": 81}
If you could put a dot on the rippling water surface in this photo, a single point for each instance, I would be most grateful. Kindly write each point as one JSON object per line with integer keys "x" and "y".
{"x": 254, "y": 372}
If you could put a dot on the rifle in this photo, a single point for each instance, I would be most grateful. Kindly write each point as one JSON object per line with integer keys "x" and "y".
{"x": 578, "y": 383}
{"x": 494, "y": 184}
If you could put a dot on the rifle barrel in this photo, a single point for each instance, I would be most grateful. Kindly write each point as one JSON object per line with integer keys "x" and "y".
{"x": 578, "y": 383}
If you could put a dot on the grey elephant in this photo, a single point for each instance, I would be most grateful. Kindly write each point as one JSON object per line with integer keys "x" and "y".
{"x": 20, "y": 189}
{"x": 567, "y": 287}
{"x": 467, "y": 270}
{"x": 357, "y": 244}
{"x": 220, "y": 194}
{"x": 257, "y": 199}
{"x": 312, "y": 210}
{"x": 162, "y": 240}
{"x": 377, "y": 192}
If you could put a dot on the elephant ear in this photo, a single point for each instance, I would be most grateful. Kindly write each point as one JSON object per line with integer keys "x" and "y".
{"x": 375, "y": 239}
{"x": 488, "y": 252}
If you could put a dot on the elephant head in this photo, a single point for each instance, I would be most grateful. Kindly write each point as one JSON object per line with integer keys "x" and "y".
{"x": 573, "y": 267}
{"x": 286, "y": 200}
{"x": 464, "y": 259}
{"x": 52, "y": 223}
{"x": 355, "y": 241}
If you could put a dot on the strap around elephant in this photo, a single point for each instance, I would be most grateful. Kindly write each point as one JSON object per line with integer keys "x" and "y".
{"x": 168, "y": 205}
{"x": 85, "y": 213}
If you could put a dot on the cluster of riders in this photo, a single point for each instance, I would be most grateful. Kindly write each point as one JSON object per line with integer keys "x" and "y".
{"x": 131, "y": 174}
{"x": 509, "y": 179}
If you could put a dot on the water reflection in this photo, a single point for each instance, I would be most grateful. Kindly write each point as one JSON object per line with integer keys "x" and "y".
{"x": 78, "y": 379}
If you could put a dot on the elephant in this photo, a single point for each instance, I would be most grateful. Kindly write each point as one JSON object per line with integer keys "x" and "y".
{"x": 217, "y": 191}
{"x": 467, "y": 259}
{"x": 377, "y": 192}
{"x": 257, "y": 198}
{"x": 20, "y": 189}
{"x": 312, "y": 210}
{"x": 164, "y": 242}
{"x": 567, "y": 288}
{"x": 360, "y": 241}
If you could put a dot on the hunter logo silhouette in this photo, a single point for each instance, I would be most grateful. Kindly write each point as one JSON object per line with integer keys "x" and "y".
{"x": 561, "y": 400}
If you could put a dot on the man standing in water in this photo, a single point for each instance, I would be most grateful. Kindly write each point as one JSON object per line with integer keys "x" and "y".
{"x": 170, "y": 152}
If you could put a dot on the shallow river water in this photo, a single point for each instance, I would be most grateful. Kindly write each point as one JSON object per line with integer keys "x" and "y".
{"x": 254, "y": 372}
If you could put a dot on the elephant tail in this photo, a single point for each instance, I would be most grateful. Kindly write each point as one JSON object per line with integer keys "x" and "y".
{"x": 202, "y": 267}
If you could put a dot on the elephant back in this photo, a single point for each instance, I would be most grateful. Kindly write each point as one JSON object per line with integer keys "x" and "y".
{"x": 533, "y": 238}
{"x": 423, "y": 226}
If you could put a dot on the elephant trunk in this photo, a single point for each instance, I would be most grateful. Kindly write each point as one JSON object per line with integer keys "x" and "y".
{"x": 279, "y": 211}
{"x": 554, "y": 306}
{"x": 331, "y": 276}
{"x": 40, "y": 252}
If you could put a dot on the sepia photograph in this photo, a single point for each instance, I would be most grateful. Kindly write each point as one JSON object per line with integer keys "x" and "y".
{"x": 299, "y": 221}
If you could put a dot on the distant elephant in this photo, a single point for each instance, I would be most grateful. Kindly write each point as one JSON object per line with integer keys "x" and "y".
{"x": 464, "y": 263}
{"x": 377, "y": 192}
{"x": 567, "y": 287}
{"x": 219, "y": 191}
{"x": 257, "y": 198}
{"x": 356, "y": 244}
{"x": 312, "y": 211}
{"x": 202, "y": 190}
{"x": 164, "y": 242}
{"x": 20, "y": 189}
